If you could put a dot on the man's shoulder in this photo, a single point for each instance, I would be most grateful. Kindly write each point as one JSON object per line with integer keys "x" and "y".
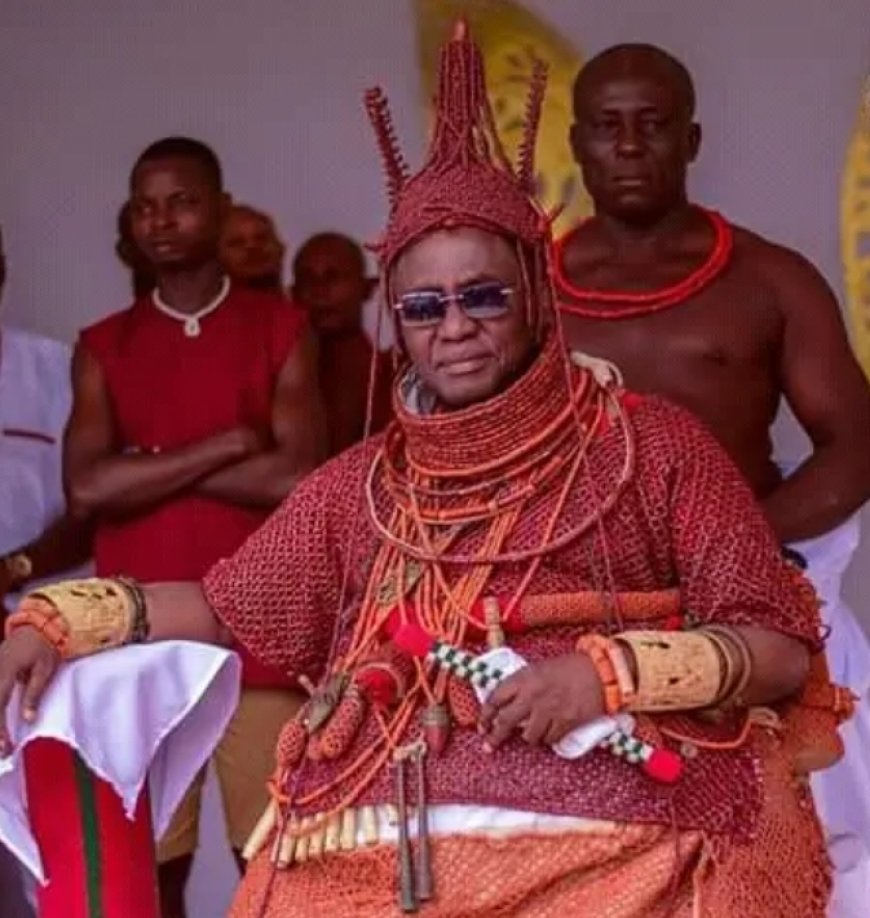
{"x": 663, "y": 428}
{"x": 33, "y": 343}
{"x": 776, "y": 262}
{"x": 337, "y": 487}
{"x": 48, "y": 357}
{"x": 268, "y": 302}
{"x": 274, "y": 312}
{"x": 108, "y": 326}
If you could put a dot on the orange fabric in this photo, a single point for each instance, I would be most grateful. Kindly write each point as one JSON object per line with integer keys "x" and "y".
{"x": 626, "y": 872}
{"x": 612, "y": 871}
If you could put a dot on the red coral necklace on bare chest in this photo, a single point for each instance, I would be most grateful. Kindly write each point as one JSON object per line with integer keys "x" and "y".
{"x": 633, "y": 304}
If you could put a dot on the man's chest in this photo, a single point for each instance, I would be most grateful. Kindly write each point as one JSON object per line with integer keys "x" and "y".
{"x": 168, "y": 392}
{"x": 727, "y": 333}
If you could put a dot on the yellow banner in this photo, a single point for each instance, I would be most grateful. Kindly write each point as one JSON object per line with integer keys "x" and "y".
{"x": 510, "y": 37}
{"x": 855, "y": 233}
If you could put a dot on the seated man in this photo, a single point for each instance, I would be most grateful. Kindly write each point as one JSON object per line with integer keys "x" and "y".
{"x": 605, "y": 537}
{"x": 330, "y": 284}
{"x": 726, "y": 324}
{"x": 251, "y": 250}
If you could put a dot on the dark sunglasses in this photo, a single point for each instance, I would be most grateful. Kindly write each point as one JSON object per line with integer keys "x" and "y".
{"x": 486, "y": 300}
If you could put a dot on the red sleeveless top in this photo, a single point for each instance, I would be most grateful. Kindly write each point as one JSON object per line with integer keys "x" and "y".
{"x": 168, "y": 390}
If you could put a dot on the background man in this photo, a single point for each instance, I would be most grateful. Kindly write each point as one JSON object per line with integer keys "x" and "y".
{"x": 725, "y": 323}
{"x": 331, "y": 284}
{"x": 251, "y": 249}
{"x": 195, "y": 412}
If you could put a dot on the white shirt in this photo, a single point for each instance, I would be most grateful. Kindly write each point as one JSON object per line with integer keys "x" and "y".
{"x": 35, "y": 400}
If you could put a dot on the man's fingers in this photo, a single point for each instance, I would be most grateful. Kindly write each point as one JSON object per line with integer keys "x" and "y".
{"x": 507, "y": 719}
{"x": 6, "y": 684}
{"x": 536, "y": 728}
{"x": 40, "y": 675}
{"x": 504, "y": 694}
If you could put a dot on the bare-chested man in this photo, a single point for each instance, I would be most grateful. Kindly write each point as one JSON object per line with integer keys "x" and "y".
{"x": 713, "y": 316}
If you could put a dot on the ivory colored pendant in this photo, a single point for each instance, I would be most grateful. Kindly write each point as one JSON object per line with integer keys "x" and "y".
{"x": 303, "y": 841}
{"x": 262, "y": 829}
{"x": 333, "y": 834}
{"x": 318, "y": 838}
{"x": 492, "y": 617}
{"x": 347, "y": 840}
{"x": 285, "y": 846}
{"x": 369, "y": 825}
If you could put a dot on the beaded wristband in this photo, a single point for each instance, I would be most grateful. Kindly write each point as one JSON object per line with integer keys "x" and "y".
{"x": 676, "y": 671}
{"x": 81, "y": 617}
{"x": 598, "y": 649}
{"x": 624, "y": 677}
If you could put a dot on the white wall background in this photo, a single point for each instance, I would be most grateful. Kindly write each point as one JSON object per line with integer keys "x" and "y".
{"x": 275, "y": 86}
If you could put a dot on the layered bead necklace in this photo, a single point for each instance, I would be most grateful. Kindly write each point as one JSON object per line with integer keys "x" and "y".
{"x": 443, "y": 481}
{"x": 633, "y": 304}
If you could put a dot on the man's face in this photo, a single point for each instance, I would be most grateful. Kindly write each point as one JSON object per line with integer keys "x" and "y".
{"x": 633, "y": 139}
{"x": 250, "y": 249}
{"x": 175, "y": 213}
{"x": 329, "y": 282}
{"x": 464, "y": 360}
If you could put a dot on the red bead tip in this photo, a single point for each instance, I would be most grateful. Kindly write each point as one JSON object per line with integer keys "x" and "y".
{"x": 378, "y": 685}
{"x": 664, "y": 766}
{"x": 413, "y": 640}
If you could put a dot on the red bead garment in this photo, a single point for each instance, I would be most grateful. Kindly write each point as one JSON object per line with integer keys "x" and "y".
{"x": 686, "y": 518}
{"x": 628, "y": 305}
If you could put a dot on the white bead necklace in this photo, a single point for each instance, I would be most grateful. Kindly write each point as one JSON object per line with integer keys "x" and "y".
{"x": 191, "y": 321}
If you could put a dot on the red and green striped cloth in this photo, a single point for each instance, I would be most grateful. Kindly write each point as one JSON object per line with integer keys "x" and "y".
{"x": 99, "y": 864}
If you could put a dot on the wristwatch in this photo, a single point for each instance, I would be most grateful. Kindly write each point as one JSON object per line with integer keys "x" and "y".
{"x": 19, "y": 567}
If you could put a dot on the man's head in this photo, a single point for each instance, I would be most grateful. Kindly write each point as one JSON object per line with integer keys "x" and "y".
{"x": 464, "y": 246}
{"x": 634, "y": 133}
{"x": 251, "y": 251}
{"x": 461, "y": 296}
{"x": 177, "y": 204}
{"x": 330, "y": 282}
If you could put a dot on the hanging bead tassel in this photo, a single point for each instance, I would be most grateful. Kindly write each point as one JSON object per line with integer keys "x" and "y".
{"x": 662, "y": 765}
{"x": 341, "y": 730}
{"x": 292, "y": 741}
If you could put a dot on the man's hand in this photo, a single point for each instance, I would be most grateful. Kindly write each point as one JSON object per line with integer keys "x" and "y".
{"x": 545, "y": 701}
{"x": 26, "y": 657}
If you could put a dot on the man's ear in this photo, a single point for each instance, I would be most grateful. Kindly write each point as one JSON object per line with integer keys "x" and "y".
{"x": 225, "y": 206}
{"x": 695, "y": 136}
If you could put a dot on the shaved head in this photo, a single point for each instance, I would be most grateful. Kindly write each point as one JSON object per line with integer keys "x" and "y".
{"x": 330, "y": 282}
{"x": 337, "y": 243}
{"x": 636, "y": 61}
{"x": 634, "y": 133}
